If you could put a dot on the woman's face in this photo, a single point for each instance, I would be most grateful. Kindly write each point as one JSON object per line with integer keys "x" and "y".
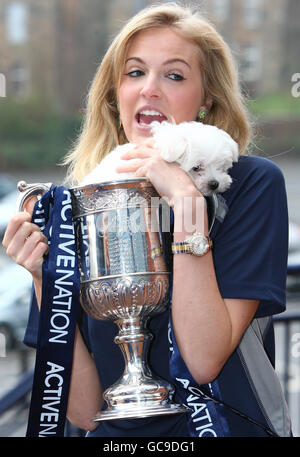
{"x": 161, "y": 81}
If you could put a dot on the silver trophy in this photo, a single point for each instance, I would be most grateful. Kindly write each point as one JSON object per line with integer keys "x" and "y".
{"x": 124, "y": 278}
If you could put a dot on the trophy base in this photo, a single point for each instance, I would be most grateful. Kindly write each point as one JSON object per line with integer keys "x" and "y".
{"x": 140, "y": 412}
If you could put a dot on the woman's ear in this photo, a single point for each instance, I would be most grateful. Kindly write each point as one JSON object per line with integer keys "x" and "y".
{"x": 208, "y": 103}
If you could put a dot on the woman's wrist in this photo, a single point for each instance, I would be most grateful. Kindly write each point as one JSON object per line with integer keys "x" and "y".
{"x": 190, "y": 215}
{"x": 37, "y": 282}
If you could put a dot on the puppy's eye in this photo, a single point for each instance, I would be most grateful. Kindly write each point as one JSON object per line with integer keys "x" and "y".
{"x": 198, "y": 168}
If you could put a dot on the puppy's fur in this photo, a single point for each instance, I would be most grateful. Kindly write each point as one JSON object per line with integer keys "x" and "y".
{"x": 205, "y": 152}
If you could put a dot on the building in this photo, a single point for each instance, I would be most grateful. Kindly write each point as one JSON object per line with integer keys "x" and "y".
{"x": 51, "y": 48}
{"x": 258, "y": 32}
{"x": 264, "y": 36}
{"x": 26, "y": 65}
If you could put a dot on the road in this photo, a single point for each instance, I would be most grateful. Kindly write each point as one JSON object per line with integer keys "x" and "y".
{"x": 13, "y": 422}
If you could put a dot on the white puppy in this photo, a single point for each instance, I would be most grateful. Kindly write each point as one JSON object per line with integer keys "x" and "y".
{"x": 205, "y": 152}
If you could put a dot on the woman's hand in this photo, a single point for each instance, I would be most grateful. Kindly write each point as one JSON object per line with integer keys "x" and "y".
{"x": 25, "y": 243}
{"x": 169, "y": 180}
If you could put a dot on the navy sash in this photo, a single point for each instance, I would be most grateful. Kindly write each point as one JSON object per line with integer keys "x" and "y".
{"x": 58, "y": 316}
{"x": 207, "y": 418}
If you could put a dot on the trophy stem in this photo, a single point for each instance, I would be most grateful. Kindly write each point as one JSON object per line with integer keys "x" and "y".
{"x": 138, "y": 393}
{"x": 133, "y": 339}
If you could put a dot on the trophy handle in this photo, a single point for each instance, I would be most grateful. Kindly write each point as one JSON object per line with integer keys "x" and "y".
{"x": 28, "y": 191}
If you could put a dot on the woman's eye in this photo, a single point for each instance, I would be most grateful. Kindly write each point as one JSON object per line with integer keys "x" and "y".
{"x": 135, "y": 73}
{"x": 176, "y": 76}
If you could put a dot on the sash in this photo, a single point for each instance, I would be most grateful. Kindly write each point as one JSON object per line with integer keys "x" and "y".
{"x": 206, "y": 417}
{"x": 58, "y": 316}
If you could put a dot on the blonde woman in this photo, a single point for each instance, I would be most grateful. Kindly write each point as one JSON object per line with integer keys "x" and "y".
{"x": 170, "y": 63}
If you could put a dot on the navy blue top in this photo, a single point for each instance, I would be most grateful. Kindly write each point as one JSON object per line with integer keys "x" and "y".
{"x": 250, "y": 257}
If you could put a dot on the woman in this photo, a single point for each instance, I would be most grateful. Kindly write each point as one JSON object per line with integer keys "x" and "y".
{"x": 168, "y": 63}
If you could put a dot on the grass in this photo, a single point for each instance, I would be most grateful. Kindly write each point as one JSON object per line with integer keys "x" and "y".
{"x": 279, "y": 105}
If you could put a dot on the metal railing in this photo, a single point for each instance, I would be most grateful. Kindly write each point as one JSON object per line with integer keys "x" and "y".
{"x": 287, "y": 321}
{"x": 287, "y": 331}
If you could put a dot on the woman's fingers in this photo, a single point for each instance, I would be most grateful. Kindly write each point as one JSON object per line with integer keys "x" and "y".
{"x": 33, "y": 262}
{"x": 25, "y": 243}
{"x": 143, "y": 151}
{"x": 128, "y": 166}
{"x": 27, "y": 249}
{"x": 141, "y": 172}
{"x": 139, "y": 158}
{"x": 14, "y": 225}
{"x": 168, "y": 178}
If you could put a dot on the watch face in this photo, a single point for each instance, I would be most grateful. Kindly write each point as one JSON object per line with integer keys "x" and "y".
{"x": 199, "y": 244}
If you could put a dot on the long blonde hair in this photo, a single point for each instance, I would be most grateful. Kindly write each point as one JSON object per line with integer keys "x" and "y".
{"x": 100, "y": 131}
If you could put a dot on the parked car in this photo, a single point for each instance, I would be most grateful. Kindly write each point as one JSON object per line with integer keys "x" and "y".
{"x": 7, "y": 184}
{"x": 293, "y": 279}
{"x": 7, "y": 209}
{"x": 15, "y": 292}
{"x": 294, "y": 237}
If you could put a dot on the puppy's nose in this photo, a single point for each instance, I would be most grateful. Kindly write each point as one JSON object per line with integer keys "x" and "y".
{"x": 213, "y": 185}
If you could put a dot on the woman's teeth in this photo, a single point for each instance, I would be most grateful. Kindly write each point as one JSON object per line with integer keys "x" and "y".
{"x": 146, "y": 117}
{"x": 148, "y": 112}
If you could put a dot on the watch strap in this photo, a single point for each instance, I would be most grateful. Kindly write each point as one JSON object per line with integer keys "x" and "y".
{"x": 183, "y": 247}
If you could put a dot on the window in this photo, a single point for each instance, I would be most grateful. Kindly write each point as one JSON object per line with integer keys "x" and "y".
{"x": 2, "y": 85}
{"x": 16, "y": 22}
{"x": 252, "y": 11}
{"x": 251, "y": 63}
{"x": 221, "y": 9}
{"x": 19, "y": 77}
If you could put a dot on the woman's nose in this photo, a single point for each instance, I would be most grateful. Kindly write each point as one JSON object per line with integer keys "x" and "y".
{"x": 151, "y": 88}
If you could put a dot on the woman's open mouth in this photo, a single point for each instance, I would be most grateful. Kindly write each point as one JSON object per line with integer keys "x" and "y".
{"x": 145, "y": 117}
